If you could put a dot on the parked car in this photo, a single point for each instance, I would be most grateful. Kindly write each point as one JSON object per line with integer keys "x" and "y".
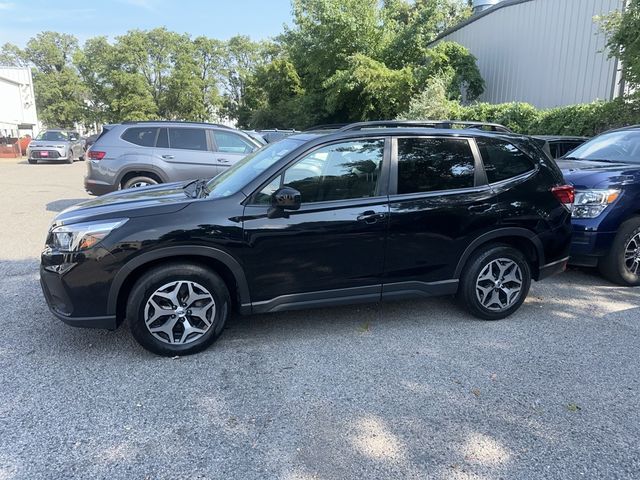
{"x": 138, "y": 154}
{"x": 56, "y": 145}
{"x": 606, "y": 217}
{"x": 559, "y": 146}
{"x": 318, "y": 219}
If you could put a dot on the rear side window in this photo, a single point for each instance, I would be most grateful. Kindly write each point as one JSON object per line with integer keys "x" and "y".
{"x": 502, "y": 160}
{"x": 434, "y": 164}
{"x": 188, "y": 138}
{"x": 231, "y": 143}
{"x": 143, "y": 136}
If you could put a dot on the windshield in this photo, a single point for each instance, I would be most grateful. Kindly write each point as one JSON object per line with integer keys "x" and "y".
{"x": 52, "y": 136}
{"x": 243, "y": 172}
{"x": 621, "y": 146}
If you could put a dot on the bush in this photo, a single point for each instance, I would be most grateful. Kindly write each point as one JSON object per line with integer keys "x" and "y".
{"x": 587, "y": 119}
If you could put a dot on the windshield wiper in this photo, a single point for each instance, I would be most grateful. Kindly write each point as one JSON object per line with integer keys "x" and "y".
{"x": 591, "y": 160}
{"x": 198, "y": 186}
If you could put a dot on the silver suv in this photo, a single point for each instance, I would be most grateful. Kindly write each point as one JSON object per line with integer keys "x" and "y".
{"x": 136, "y": 154}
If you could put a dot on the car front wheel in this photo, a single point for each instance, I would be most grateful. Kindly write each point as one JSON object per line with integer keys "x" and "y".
{"x": 140, "y": 181}
{"x": 495, "y": 282}
{"x": 622, "y": 264}
{"x": 178, "y": 309}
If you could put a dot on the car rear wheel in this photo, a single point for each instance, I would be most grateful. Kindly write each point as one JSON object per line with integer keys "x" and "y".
{"x": 622, "y": 264}
{"x": 178, "y": 309}
{"x": 139, "y": 181}
{"x": 495, "y": 282}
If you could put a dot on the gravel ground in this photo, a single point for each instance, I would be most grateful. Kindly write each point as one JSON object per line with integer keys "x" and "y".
{"x": 415, "y": 389}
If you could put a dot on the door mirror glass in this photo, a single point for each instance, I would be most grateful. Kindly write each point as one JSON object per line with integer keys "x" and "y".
{"x": 286, "y": 198}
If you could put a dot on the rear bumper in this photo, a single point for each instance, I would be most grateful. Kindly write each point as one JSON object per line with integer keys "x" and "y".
{"x": 94, "y": 187}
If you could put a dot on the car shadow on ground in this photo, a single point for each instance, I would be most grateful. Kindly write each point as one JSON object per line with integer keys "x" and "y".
{"x": 60, "y": 205}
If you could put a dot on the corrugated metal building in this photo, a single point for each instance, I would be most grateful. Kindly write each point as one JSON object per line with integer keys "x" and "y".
{"x": 545, "y": 52}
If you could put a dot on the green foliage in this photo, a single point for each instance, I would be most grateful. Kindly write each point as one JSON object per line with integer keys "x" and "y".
{"x": 411, "y": 26}
{"x": 433, "y": 102}
{"x": 367, "y": 89}
{"x": 456, "y": 62}
{"x": 623, "y": 39}
{"x": 582, "y": 120}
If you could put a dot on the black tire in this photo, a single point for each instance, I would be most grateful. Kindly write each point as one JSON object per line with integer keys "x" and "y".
{"x": 81, "y": 158}
{"x": 612, "y": 266}
{"x": 32, "y": 161}
{"x": 70, "y": 158}
{"x": 154, "y": 279}
{"x": 467, "y": 290}
{"x": 139, "y": 179}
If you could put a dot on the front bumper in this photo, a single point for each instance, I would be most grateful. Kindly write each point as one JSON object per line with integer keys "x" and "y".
{"x": 588, "y": 246}
{"x": 71, "y": 297}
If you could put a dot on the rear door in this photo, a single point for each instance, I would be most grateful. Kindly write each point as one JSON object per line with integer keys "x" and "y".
{"x": 439, "y": 202}
{"x": 229, "y": 147}
{"x": 186, "y": 153}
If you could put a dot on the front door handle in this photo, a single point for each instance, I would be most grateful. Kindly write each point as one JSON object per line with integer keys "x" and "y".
{"x": 168, "y": 157}
{"x": 222, "y": 160}
{"x": 370, "y": 217}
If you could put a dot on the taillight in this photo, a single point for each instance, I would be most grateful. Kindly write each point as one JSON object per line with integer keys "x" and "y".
{"x": 96, "y": 155}
{"x": 565, "y": 194}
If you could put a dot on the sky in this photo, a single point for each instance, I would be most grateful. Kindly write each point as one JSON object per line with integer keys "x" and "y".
{"x": 222, "y": 19}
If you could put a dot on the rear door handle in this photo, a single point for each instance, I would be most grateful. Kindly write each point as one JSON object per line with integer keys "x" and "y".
{"x": 168, "y": 157}
{"x": 370, "y": 217}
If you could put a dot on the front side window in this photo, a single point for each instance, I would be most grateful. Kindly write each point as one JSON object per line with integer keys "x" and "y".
{"x": 339, "y": 171}
{"x": 231, "y": 143}
{"x": 143, "y": 136}
{"x": 502, "y": 160}
{"x": 188, "y": 138}
{"x": 434, "y": 164}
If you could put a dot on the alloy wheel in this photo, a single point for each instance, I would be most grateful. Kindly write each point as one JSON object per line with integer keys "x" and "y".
{"x": 632, "y": 255}
{"x": 179, "y": 312}
{"x": 499, "y": 284}
{"x": 139, "y": 184}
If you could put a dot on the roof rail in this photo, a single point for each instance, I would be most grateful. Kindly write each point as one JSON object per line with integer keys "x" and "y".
{"x": 444, "y": 124}
{"x": 135, "y": 122}
{"x": 327, "y": 126}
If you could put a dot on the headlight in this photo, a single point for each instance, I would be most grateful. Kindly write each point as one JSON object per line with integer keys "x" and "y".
{"x": 81, "y": 236}
{"x": 591, "y": 203}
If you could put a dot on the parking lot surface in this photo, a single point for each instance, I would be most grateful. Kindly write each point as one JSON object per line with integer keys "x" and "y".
{"x": 414, "y": 389}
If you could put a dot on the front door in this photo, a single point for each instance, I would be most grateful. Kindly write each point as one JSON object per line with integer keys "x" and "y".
{"x": 229, "y": 148}
{"x": 333, "y": 247}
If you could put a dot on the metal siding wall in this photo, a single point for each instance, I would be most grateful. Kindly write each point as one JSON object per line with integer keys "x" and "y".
{"x": 545, "y": 52}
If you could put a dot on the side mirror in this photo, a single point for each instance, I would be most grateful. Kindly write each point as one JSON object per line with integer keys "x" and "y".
{"x": 285, "y": 198}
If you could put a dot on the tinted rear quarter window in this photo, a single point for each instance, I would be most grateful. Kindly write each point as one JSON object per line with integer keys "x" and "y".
{"x": 188, "y": 138}
{"x": 434, "y": 164}
{"x": 502, "y": 160}
{"x": 143, "y": 136}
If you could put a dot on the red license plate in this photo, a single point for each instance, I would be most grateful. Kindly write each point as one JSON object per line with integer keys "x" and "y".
{"x": 44, "y": 154}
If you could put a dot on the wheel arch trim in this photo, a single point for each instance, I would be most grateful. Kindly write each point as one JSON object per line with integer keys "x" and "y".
{"x": 497, "y": 235}
{"x": 170, "y": 252}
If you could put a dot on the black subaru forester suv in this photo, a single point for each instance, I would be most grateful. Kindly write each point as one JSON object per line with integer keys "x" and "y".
{"x": 370, "y": 212}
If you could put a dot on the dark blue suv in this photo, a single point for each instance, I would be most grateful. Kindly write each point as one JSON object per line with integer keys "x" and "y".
{"x": 605, "y": 172}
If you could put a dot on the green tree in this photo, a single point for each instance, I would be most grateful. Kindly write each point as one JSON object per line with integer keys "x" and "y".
{"x": 459, "y": 65}
{"x": 623, "y": 40}
{"x": 368, "y": 90}
{"x": 13, "y": 56}
{"x": 433, "y": 102}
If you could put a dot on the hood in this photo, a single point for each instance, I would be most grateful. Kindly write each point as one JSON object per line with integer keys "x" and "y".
{"x": 134, "y": 202}
{"x": 585, "y": 174}
{"x": 47, "y": 143}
